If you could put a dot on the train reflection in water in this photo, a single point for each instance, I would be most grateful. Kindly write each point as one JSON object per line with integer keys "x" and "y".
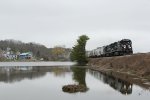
{"x": 122, "y": 86}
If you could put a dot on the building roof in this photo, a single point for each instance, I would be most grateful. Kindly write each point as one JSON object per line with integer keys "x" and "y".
{"x": 27, "y": 53}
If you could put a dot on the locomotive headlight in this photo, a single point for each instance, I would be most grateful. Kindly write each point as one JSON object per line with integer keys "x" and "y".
{"x": 124, "y": 46}
{"x": 129, "y": 46}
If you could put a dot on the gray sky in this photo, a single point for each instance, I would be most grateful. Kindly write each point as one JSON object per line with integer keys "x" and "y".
{"x": 60, "y": 22}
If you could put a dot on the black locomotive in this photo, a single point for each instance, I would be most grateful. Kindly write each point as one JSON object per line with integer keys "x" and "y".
{"x": 122, "y": 47}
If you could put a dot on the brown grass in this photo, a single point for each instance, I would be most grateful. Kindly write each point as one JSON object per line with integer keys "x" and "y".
{"x": 136, "y": 64}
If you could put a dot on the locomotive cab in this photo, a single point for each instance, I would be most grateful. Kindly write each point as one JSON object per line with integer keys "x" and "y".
{"x": 126, "y": 46}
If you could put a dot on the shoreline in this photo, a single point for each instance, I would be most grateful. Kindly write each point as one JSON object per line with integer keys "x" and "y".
{"x": 132, "y": 68}
{"x": 131, "y": 78}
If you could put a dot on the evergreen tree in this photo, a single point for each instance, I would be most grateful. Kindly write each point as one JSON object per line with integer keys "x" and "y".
{"x": 78, "y": 52}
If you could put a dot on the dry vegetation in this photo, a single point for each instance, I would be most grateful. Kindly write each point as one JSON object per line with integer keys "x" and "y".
{"x": 138, "y": 64}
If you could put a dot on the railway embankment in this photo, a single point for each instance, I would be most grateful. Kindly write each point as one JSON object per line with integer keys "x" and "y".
{"x": 136, "y": 64}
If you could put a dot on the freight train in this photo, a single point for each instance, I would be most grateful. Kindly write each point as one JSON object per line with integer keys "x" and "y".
{"x": 122, "y": 47}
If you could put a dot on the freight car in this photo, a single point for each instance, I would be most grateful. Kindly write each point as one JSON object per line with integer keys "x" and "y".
{"x": 122, "y": 47}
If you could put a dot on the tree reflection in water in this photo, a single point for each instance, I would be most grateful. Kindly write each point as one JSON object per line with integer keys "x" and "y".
{"x": 79, "y": 75}
{"x": 122, "y": 86}
{"x": 17, "y": 73}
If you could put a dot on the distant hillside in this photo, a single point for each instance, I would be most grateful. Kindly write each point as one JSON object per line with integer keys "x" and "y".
{"x": 38, "y": 50}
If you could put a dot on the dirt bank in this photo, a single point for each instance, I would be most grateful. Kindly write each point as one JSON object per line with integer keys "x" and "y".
{"x": 136, "y": 64}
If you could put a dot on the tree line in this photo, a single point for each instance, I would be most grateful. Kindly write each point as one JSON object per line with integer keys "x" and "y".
{"x": 38, "y": 50}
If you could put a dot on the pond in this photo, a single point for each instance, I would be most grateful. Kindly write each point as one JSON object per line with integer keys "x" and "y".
{"x": 46, "y": 82}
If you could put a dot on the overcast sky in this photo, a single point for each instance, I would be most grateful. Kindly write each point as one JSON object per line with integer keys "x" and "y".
{"x": 60, "y": 22}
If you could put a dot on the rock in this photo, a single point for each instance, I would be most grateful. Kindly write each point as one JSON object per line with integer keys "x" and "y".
{"x": 74, "y": 88}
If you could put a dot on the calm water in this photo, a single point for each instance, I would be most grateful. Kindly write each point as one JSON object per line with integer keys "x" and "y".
{"x": 46, "y": 82}
{"x": 42, "y": 63}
